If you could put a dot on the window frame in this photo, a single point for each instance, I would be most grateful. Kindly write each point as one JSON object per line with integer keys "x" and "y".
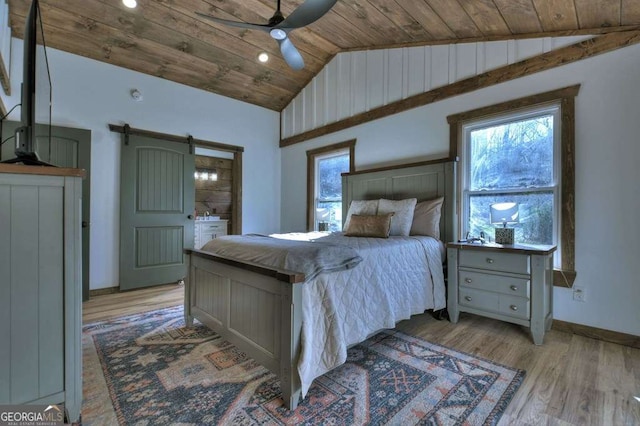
{"x": 313, "y": 155}
{"x": 553, "y": 109}
{"x": 565, "y": 275}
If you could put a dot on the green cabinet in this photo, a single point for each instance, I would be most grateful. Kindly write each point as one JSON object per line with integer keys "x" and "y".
{"x": 40, "y": 286}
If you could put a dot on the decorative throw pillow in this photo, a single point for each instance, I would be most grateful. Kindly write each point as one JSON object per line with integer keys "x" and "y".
{"x": 403, "y": 217}
{"x": 361, "y": 207}
{"x": 426, "y": 218}
{"x": 369, "y": 226}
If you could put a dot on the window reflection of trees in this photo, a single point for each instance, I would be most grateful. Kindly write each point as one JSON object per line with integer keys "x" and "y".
{"x": 330, "y": 171}
{"x": 514, "y": 162}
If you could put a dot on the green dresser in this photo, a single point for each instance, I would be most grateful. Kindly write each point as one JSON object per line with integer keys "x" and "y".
{"x": 41, "y": 286}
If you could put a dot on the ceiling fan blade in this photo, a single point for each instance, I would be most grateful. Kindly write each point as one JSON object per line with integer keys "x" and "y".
{"x": 263, "y": 27}
{"x": 291, "y": 54}
{"x": 308, "y": 12}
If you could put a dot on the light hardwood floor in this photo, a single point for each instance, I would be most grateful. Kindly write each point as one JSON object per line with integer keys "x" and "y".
{"x": 115, "y": 305}
{"x": 571, "y": 380}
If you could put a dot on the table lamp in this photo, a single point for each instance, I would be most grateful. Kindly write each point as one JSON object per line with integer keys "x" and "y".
{"x": 323, "y": 215}
{"x": 505, "y": 214}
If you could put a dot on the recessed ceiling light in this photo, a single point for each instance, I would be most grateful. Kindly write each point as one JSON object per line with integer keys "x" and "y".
{"x": 130, "y": 3}
{"x": 637, "y": 398}
{"x": 263, "y": 57}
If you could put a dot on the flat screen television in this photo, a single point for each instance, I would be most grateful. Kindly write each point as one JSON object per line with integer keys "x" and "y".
{"x": 36, "y": 93}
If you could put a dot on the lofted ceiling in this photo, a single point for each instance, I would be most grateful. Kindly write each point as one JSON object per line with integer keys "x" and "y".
{"x": 165, "y": 38}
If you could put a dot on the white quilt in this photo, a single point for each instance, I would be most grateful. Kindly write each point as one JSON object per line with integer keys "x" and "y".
{"x": 398, "y": 277}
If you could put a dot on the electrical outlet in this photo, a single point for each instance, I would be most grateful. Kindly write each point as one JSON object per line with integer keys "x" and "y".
{"x": 579, "y": 294}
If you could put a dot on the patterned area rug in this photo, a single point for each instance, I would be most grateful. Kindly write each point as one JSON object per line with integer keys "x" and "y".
{"x": 149, "y": 369}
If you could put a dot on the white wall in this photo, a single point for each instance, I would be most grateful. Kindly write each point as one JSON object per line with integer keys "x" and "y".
{"x": 356, "y": 82}
{"x": 90, "y": 94}
{"x": 607, "y": 174}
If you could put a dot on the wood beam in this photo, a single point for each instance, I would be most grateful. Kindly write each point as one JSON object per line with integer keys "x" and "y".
{"x": 4, "y": 79}
{"x": 486, "y": 38}
{"x": 563, "y": 56}
{"x": 3, "y": 109}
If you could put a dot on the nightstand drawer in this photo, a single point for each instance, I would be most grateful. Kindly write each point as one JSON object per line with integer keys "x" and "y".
{"x": 513, "y": 306}
{"x": 494, "y": 261}
{"x": 213, "y": 227}
{"x": 496, "y": 283}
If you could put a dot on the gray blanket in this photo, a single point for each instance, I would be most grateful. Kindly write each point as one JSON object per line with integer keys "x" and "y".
{"x": 308, "y": 257}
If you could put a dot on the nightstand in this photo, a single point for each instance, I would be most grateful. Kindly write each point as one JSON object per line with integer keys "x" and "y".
{"x": 511, "y": 283}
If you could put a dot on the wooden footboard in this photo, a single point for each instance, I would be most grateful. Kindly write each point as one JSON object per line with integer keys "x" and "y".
{"x": 260, "y": 309}
{"x": 257, "y": 309}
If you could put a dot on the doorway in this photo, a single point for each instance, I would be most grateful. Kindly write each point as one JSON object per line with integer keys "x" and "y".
{"x": 222, "y": 195}
{"x": 213, "y": 186}
{"x": 213, "y": 196}
{"x": 157, "y": 205}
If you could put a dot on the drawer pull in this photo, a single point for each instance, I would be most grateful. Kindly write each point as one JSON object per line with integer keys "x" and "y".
{"x": 468, "y": 280}
{"x": 514, "y": 307}
{"x": 489, "y": 260}
{"x": 514, "y": 287}
{"x": 467, "y": 298}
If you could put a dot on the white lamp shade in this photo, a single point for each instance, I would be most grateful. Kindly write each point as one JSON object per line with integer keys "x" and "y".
{"x": 505, "y": 213}
{"x": 322, "y": 214}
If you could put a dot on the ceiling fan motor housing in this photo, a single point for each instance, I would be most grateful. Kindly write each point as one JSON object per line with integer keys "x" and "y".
{"x": 276, "y": 19}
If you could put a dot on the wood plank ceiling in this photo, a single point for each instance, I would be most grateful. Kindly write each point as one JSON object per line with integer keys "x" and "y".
{"x": 165, "y": 38}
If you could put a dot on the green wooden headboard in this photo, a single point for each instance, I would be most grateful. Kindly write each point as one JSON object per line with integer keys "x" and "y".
{"x": 423, "y": 181}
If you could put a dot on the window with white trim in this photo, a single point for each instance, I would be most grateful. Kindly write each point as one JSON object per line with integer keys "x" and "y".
{"x": 324, "y": 182}
{"x": 564, "y": 121}
{"x": 514, "y": 157}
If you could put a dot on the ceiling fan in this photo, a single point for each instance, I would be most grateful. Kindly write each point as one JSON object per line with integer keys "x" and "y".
{"x": 279, "y": 26}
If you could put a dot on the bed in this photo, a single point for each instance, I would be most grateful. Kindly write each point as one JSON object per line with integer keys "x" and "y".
{"x": 262, "y": 310}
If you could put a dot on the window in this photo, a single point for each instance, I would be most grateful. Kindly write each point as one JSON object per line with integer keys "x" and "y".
{"x": 521, "y": 151}
{"x": 324, "y": 185}
{"x": 514, "y": 158}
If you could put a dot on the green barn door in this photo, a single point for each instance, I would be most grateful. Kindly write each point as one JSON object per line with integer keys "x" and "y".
{"x": 156, "y": 210}
{"x": 69, "y": 147}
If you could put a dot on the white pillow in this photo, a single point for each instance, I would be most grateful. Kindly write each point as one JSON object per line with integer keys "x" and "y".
{"x": 361, "y": 207}
{"x": 403, "y": 214}
{"x": 426, "y": 218}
